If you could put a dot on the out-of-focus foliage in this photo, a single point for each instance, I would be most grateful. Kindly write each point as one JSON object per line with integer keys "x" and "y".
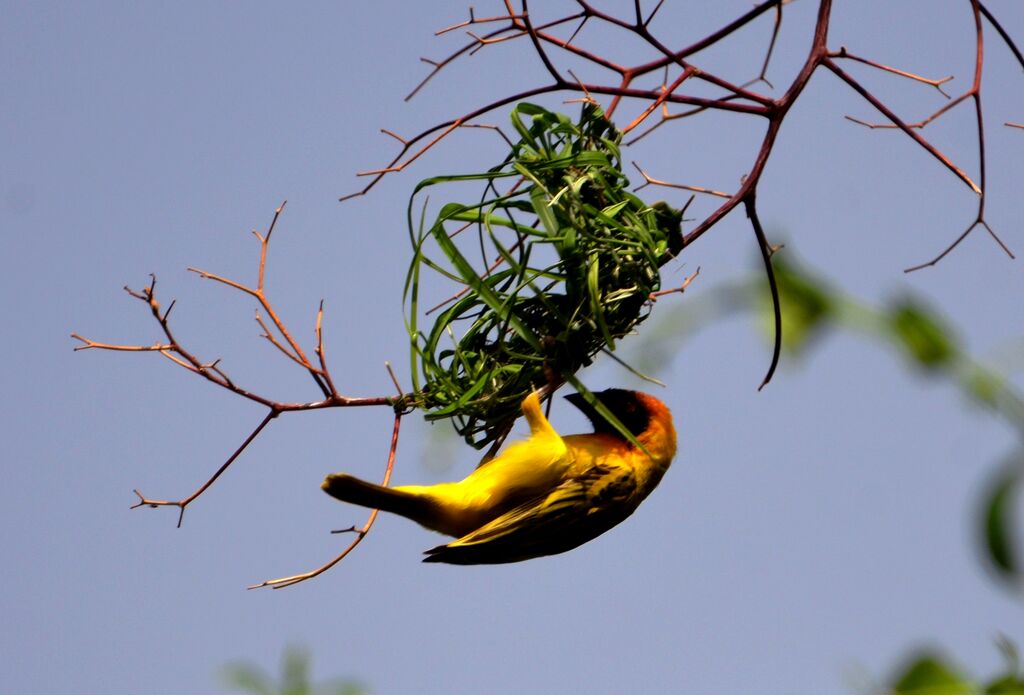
{"x": 295, "y": 680}
{"x": 926, "y": 339}
{"x": 999, "y": 523}
{"x": 921, "y": 333}
{"x": 553, "y": 264}
{"x": 931, "y": 673}
{"x": 812, "y": 308}
{"x": 808, "y": 307}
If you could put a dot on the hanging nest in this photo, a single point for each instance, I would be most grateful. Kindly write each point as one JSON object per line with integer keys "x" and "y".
{"x": 554, "y": 264}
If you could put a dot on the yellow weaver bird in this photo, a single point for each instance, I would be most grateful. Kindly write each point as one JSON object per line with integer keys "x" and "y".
{"x": 542, "y": 496}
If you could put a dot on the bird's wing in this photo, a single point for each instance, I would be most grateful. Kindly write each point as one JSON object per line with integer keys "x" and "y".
{"x": 573, "y": 513}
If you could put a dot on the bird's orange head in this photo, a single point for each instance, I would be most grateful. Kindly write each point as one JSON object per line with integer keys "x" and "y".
{"x": 646, "y": 417}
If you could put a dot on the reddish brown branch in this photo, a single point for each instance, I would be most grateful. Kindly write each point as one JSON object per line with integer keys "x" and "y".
{"x": 686, "y": 74}
{"x": 918, "y": 125}
{"x": 737, "y": 98}
{"x": 1003, "y": 34}
{"x": 763, "y": 75}
{"x": 519, "y": 23}
{"x": 887, "y": 112}
{"x": 514, "y": 26}
{"x": 843, "y": 53}
{"x": 176, "y": 352}
{"x": 182, "y": 503}
{"x": 676, "y": 290}
{"x": 975, "y": 94}
{"x": 766, "y": 253}
{"x": 651, "y": 181}
{"x": 775, "y": 117}
{"x": 321, "y": 354}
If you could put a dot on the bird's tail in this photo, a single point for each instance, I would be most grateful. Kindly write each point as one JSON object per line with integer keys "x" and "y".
{"x": 355, "y": 491}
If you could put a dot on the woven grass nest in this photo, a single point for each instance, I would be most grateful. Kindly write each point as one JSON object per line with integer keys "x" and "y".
{"x": 553, "y": 264}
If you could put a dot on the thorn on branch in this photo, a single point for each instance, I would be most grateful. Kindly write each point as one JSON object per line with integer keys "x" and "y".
{"x": 586, "y": 98}
{"x": 651, "y": 181}
{"x": 350, "y": 529}
{"x": 394, "y": 378}
{"x": 653, "y": 296}
{"x": 153, "y": 504}
{"x": 93, "y": 345}
{"x": 396, "y": 136}
{"x": 887, "y": 112}
{"x": 937, "y": 84}
{"x": 473, "y": 20}
{"x": 878, "y": 126}
{"x": 918, "y": 125}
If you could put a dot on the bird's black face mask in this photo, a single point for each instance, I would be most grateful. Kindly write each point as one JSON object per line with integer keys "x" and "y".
{"x": 622, "y": 403}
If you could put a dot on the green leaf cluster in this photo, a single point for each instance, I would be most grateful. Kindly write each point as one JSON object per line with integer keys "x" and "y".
{"x": 295, "y": 678}
{"x": 553, "y": 264}
{"x": 931, "y": 673}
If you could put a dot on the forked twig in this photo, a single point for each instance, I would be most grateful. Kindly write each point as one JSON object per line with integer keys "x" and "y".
{"x": 360, "y": 533}
{"x": 651, "y": 181}
{"x": 183, "y": 503}
{"x": 676, "y": 290}
{"x": 843, "y": 53}
{"x": 175, "y": 351}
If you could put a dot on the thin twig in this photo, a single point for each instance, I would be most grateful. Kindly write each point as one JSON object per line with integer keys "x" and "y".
{"x": 676, "y": 290}
{"x": 975, "y": 94}
{"x": 843, "y": 53}
{"x": 183, "y": 503}
{"x": 651, "y": 181}
{"x": 766, "y": 254}
{"x": 282, "y": 582}
{"x": 177, "y": 353}
{"x": 887, "y": 112}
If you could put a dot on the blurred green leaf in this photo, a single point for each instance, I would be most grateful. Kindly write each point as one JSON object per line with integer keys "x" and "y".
{"x": 295, "y": 668}
{"x": 806, "y": 301}
{"x": 984, "y": 385}
{"x": 925, "y": 338}
{"x": 931, "y": 674}
{"x": 1000, "y": 529}
{"x": 1006, "y": 685}
{"x": 1012, "y": 681}
{"x": 249, "y": 678}
{"x": 810, "y": 307}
